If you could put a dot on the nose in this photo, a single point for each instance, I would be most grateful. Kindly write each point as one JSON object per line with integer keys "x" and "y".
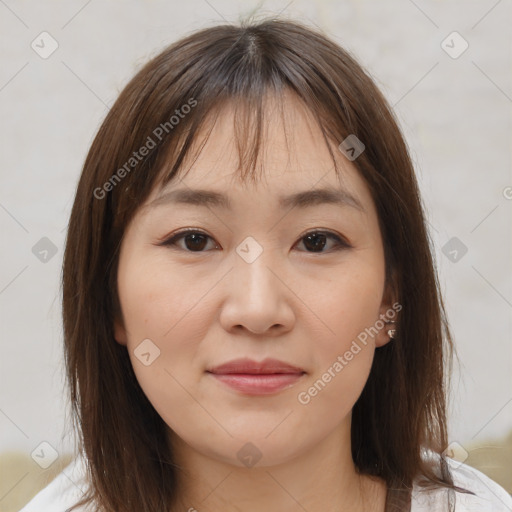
{"x": 256, "y": 298}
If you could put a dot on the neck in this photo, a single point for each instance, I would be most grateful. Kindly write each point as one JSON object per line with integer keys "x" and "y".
{"x": 322, "y": 478}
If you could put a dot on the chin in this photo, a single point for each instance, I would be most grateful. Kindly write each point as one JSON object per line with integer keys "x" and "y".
{"x": 251, "y": 448}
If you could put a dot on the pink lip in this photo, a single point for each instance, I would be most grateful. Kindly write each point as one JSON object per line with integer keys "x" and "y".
{"x": 257, "y": 378}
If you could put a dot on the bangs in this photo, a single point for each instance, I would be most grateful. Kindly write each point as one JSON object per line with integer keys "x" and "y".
{"x": 250, "y": 71}
{"x": 250, "y": 122}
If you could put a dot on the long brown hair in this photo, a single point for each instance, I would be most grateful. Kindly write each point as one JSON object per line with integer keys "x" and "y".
{"x": 402, "y": 409}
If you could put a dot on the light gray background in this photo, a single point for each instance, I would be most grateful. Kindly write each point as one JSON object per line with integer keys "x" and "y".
{"x": 455, "y": 113}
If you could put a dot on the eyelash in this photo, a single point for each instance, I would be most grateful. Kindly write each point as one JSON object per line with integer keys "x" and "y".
{"x": 172, "y": 241}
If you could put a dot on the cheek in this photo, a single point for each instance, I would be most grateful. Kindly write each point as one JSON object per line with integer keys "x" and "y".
{"x": 350, "y": 306}
{"x": 173, "y": 319}
{"x": 158, "y": 306}
{"x": 329, "y": 396}
{"x": 344, "y": 356}
{"x": 161, "y": 303}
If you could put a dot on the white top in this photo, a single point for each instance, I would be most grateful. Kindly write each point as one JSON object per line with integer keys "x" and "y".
{"x": 66, "y": 490}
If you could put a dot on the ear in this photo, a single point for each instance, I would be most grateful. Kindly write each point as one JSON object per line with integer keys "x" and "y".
{"x": 389, "y": 310}
{"x": 120, "y": 331}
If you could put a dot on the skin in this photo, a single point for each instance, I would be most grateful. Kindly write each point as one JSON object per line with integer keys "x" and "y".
{"x": 302, "y": 307}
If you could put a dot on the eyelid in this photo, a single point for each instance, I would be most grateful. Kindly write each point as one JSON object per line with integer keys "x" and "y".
{"x": 169, "y": 237}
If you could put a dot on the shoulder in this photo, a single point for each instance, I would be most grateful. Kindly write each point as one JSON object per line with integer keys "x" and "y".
{"x": 66, "y": 489}
{"x": 488, "y": 496}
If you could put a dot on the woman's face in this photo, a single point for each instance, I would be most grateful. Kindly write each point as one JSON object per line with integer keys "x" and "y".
{"x": 251, "y": 284}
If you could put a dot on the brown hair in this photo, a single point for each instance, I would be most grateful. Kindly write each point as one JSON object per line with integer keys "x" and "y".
{"x": 402, "y": 409}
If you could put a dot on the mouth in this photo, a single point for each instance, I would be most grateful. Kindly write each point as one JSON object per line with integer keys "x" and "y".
{"x": 257, "y": 378}
{"x": 262, "y": 384}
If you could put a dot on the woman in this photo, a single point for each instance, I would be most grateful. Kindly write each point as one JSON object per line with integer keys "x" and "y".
{"x": 251, "y": 313}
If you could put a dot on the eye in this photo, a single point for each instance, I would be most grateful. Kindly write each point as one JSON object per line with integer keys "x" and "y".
{"x": 196, "y": 241}
{"x": 316, "y": 240}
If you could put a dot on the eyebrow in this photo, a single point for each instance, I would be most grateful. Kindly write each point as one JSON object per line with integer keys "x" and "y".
{"x": 304, "y": 199}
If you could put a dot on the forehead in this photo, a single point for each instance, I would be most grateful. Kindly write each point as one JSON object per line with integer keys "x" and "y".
{"x": 293, "y": 161}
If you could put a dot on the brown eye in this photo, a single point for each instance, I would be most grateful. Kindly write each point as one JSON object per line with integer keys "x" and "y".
{"x": 194, "y": 241}
{"x": 316, "y": 241}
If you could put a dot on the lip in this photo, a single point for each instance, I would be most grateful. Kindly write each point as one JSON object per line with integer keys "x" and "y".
{"x": 257, "y": 378}
{"x": 248, "y": 366}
